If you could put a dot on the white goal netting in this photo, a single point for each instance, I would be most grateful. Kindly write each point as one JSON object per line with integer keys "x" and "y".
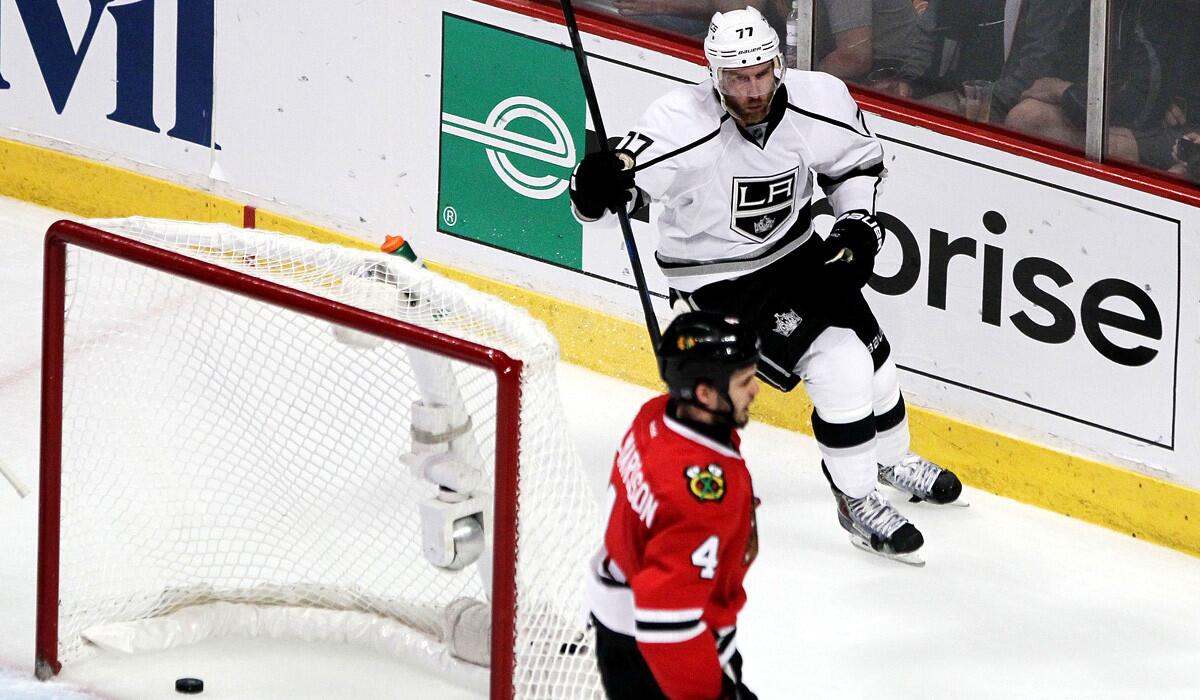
{"x": 221, "y": 450}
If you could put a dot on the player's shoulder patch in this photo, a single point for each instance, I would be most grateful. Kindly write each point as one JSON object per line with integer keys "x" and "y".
{"x": 706, "y": 483}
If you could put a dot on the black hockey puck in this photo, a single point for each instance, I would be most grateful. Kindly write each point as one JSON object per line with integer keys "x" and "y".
{"x": 189, "y": 686}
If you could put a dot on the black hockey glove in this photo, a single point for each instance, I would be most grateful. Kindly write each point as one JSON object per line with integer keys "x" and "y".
{"x": 853, "y": 243}
{"x": 602, "y": 180}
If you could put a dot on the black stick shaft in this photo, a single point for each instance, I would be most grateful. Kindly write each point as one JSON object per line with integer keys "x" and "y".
{"x": 589, "y": 92}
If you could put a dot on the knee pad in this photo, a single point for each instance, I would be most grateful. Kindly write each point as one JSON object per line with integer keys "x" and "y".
{"x": 838, "y": 375}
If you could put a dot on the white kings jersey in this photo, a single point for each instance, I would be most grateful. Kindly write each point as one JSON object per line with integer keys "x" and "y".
{"x": 736, "y": 200}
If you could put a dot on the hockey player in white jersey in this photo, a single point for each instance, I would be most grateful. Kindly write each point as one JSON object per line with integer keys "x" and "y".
{"x": 732, "y": 162}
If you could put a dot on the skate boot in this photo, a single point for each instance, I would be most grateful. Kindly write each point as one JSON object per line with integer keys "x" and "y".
{"x": 877, "y": 527}
{"x": 923, "y": 480}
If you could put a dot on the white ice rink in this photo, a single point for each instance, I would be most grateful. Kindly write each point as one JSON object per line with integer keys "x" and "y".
{"x": 1015, "y": 602}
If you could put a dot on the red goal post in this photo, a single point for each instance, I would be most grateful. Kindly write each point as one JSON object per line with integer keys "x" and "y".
{"x": 507, "y": 371}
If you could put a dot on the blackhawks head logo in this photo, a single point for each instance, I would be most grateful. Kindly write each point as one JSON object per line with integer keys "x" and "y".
{"x": 706, "y": 483}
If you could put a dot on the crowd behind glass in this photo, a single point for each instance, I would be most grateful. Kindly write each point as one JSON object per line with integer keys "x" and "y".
{"x": 1019, "y": 64}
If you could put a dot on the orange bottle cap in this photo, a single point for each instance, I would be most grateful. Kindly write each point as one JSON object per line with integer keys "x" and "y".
{"x": 392, "y": 243}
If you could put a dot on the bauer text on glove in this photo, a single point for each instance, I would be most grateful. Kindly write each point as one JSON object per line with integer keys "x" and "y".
{"x": 853, "y": 242}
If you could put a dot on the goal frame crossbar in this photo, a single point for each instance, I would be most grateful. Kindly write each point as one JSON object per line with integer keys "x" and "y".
{"x": 506, "y": 369}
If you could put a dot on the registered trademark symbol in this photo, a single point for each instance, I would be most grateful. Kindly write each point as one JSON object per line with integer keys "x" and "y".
{"x": 450, "y": 216}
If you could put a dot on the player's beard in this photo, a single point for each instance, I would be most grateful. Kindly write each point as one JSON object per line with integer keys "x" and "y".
{"x": 747, "y": 114}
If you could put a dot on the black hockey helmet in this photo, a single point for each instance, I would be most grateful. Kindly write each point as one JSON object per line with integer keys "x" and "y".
{"x": 704, "y": 346}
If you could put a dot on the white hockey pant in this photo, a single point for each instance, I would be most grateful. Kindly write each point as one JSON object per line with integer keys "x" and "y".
{"x": 858, "y": 416}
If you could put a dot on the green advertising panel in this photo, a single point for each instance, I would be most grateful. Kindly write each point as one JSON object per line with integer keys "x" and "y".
{"x": 513, "y": 126}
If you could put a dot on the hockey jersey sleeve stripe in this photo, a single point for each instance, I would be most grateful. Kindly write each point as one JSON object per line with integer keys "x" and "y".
{"x": 826, "y": 182}
{"x": 610, "y": 574}
{"x": 863, "y": 121}
{"x": 666, "y": 626}
{"x": 610, "y": 569}
{"x": 669, "y": 635}
{"x": 652, "y": 615}
{"x": 682, "y": 149}
{"x": 775, "y": 375}
{"x": 827, "y": 120}
{"x": 726, "y": 644}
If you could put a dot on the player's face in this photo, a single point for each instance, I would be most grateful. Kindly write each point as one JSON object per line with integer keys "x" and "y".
{"x": 748, "y": 91}
{"x": 743, "y": 387}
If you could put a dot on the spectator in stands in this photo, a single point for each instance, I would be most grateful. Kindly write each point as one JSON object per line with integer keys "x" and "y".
{"x": 1010, "y": 42}
{"x": 1165, "y": 144}
{"x": 968, "y": 38}
{"x": 870, "y": 42}
{"x": 875, "y": 43}
{"x": 1152, "y": 63}
{"x": 1187, "y": 158}
{"x": 687, "y": 17}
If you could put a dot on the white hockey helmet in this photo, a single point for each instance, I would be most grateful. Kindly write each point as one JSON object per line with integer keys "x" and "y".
{"x": 739, "y": 39}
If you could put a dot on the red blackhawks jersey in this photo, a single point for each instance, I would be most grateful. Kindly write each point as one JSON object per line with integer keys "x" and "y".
{"x": 679, "y": 541}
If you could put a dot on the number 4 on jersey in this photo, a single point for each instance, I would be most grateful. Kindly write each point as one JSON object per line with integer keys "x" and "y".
{"x": 705, "y": 557}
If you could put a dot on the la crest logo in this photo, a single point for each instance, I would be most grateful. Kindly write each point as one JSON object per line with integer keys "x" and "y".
{"x": 762, "y": 204}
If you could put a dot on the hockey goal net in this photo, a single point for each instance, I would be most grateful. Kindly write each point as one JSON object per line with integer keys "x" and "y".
{"x": 237, "y": 423}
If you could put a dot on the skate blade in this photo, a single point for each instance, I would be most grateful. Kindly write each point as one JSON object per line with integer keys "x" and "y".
{"x": 910, "y": 558}
{"x": 959, "y": 502}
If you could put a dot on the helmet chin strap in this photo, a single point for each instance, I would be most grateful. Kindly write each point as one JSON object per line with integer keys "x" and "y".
{"x": 720, "y": 417}
{"x": 721, "y": 95}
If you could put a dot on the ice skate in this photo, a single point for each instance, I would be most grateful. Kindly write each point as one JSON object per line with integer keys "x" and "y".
{"x": 876, "y": 526}
{"x": 923, "y": 480}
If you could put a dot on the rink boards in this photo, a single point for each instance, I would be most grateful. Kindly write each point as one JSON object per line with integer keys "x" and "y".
{"x": 1043, "y": 317}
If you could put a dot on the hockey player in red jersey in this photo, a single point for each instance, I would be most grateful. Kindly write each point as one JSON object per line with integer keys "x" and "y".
{"x": 732, "y": 165}
{"x": 666, "y": 588}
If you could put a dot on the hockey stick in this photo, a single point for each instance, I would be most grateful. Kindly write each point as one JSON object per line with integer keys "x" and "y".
{"x": 594, "y": 107}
